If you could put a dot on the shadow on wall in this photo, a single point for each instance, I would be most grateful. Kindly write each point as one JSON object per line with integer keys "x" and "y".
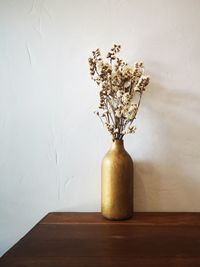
{"x": 169, "y": 179}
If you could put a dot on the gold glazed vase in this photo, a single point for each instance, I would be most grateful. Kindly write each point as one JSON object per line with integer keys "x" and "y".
{"x": 117, "y": 183}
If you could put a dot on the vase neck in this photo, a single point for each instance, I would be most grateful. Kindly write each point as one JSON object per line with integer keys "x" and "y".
{"x": 117, "y": 145}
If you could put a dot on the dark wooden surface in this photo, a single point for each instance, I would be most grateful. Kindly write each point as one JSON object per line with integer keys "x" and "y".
{"x": 87, "y": 239}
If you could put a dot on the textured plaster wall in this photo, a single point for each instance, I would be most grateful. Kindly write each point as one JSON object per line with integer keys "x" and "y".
{"x": 51, "y": 144}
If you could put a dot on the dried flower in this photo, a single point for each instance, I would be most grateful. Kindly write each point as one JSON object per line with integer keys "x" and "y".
{"x": 125, "y": 98}
{"x": 118, "y": 113}
{"x": 119, "y": 93}
{"x": 120, "y": 84}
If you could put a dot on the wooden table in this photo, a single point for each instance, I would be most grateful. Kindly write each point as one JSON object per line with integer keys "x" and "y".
{"x": 87, "y": 239}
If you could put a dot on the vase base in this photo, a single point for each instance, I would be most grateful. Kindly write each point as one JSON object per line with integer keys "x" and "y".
{"x": 118, "y": 219}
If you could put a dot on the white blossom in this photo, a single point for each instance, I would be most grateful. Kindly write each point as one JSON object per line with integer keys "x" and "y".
{"x": 118, "y": 113}
{"x": 125, "y": 98}
{"x": 119, "y": 93}
{"x": 127, "y": 84}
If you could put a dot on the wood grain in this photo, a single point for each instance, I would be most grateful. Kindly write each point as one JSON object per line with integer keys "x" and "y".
{"x": 87, "y": 239}
{"x": 140, "y": 218}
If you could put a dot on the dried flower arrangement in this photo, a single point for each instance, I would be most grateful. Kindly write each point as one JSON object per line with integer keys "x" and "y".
{"x": 122, "y": 87}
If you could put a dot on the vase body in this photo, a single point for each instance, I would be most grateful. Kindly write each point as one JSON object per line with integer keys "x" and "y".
{"x": 117, "y": 183}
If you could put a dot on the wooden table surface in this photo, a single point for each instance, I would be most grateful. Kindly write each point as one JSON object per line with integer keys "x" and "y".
{"x": 87, "y": 239}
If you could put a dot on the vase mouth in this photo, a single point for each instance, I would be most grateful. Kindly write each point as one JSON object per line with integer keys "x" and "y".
{"x": 118, "y": 140}
{"x": 117, "y": 144}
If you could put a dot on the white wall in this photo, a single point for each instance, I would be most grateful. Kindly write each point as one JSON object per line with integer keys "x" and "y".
{"x": 51, "y": 144}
